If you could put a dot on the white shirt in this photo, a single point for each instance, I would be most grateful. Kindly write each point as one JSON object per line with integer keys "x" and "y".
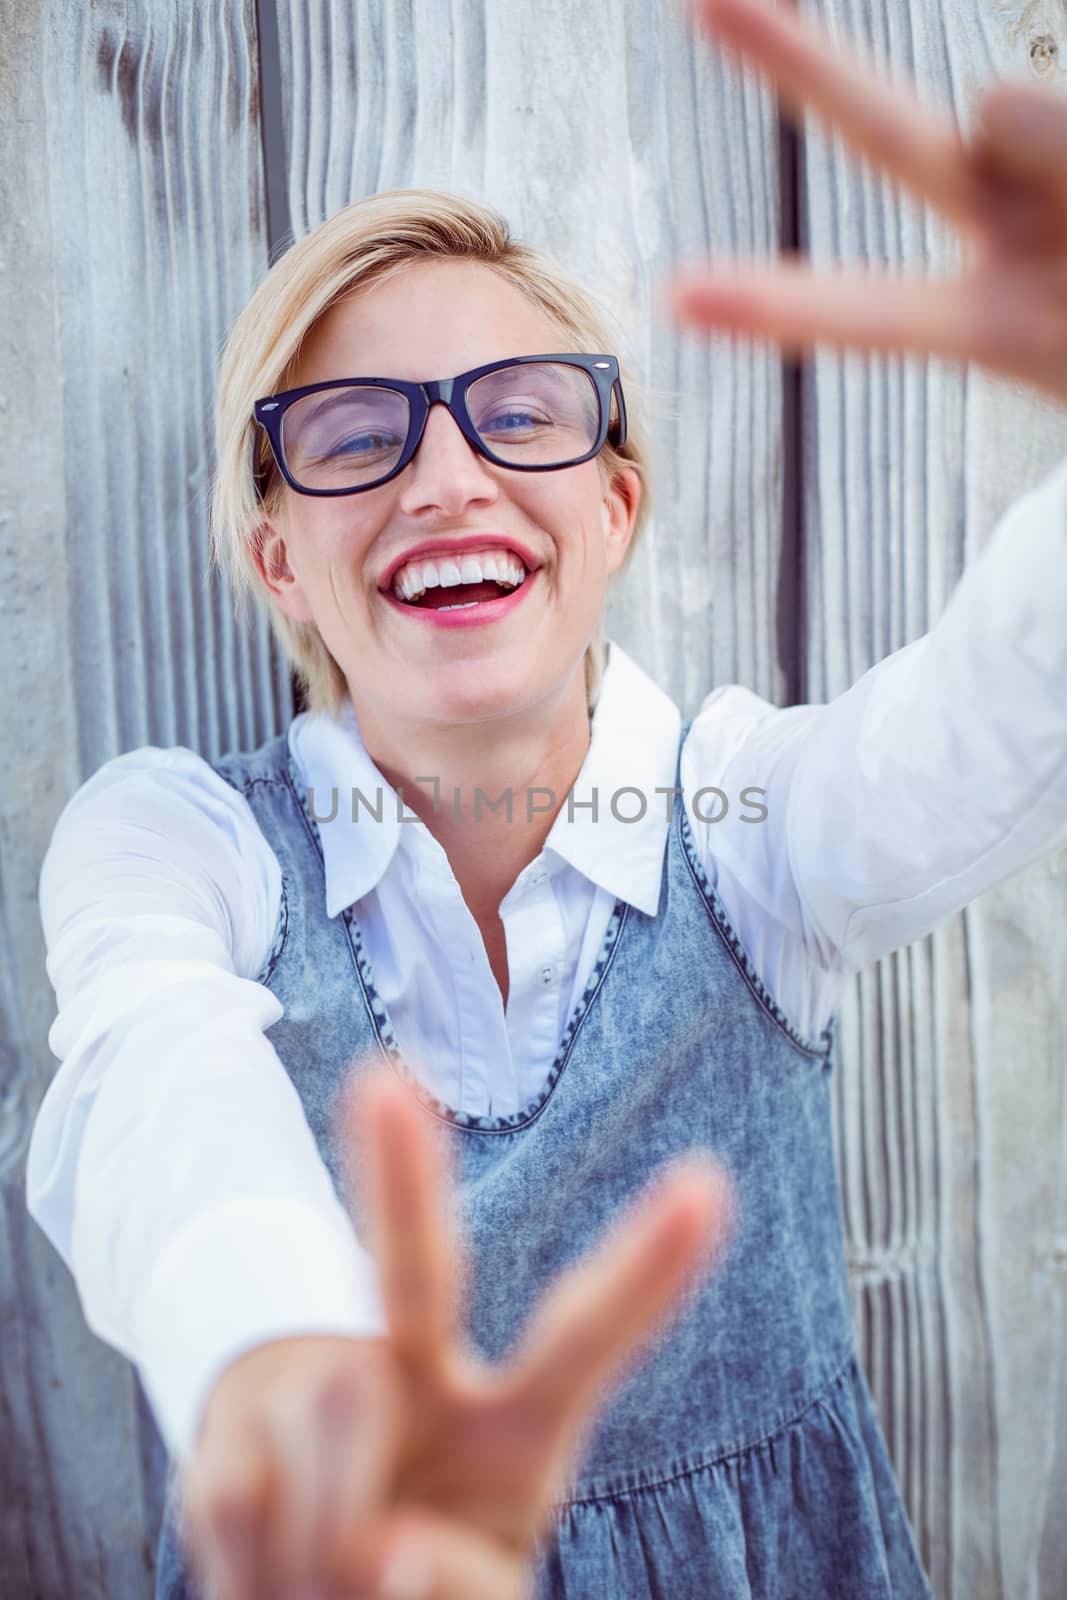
{"x": 171, "y": 1165}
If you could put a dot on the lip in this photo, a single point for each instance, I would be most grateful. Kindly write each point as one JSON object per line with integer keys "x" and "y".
{"x": 449, "y": 546}
{"x": 468, "y": 617}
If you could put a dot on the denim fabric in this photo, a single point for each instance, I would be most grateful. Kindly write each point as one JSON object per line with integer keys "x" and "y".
{"x": 742, "y": 1455}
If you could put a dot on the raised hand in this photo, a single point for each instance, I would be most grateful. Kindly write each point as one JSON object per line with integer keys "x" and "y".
{"x": 322, "y": 1463}
{"x": 1005, "y": 187}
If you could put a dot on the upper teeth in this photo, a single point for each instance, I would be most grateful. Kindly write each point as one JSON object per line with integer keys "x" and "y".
{"x": 475, "y": 566}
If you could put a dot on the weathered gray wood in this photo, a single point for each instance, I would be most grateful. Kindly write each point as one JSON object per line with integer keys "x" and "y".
{"x": 612, "y": 137}
{"x": 131, "y": 194}
{"x": 607, "y": 140}
{"x": 950, "y": 1096}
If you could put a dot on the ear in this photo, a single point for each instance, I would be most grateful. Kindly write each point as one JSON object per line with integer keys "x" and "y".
{"x": 272, "y": 563}
{"x": 621, "y": 500}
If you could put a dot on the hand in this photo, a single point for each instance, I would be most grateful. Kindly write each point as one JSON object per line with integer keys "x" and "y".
{"x": 1006, "y": 188}
{"x": 325, "y": 1457}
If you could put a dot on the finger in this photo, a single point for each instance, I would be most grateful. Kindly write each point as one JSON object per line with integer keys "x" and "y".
{"x": 339, "y": 1449}
{"x": 1012, "y": 321}
{"x": 1022, "y": 128}
{"x": 798, "y": 307}
{"x": 364, "y": 1469}
{"x": 424, "y": 1556}
{"x": 589, "y": 1323}
{"x": 225, "y": 1511}
{"x": 406, "y": 1184}
{"x": 1024, "y": 218}
{"x": 883, "y": 121}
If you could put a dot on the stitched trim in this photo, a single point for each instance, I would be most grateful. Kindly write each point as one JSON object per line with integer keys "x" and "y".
{"x": 464, "y": 1120}
{"x": 281, "y": 934}
{"x": 244, "y": 785}
{"x": 847, "y": 1370}
{"x": 822, "y": 1045}
{"x": 386, "y": 1035}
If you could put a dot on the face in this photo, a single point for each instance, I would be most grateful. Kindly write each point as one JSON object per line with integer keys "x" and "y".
{"x": 326, "y": 559}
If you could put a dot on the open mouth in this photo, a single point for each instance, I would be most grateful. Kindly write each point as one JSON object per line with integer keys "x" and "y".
{"x": 460, "y": 595}
{"x": 468, "y": 581}
{"x": 464, "y": 605}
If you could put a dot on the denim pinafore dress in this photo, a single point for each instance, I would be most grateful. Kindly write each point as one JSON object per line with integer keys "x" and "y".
{"x": 741, "y": 1458}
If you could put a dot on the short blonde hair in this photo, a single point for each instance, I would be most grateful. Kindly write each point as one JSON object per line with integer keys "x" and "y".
{"x": 363, "y": 244}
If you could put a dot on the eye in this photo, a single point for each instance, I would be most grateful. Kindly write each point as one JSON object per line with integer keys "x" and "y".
{"x": 520, "y": 417}
{"x": 364, "y": 444}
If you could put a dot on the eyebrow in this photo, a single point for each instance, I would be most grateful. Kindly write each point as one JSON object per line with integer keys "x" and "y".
{"x": 333, "y": 397}
{"x": 330, "y": 399}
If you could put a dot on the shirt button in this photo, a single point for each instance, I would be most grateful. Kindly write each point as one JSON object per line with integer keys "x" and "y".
{"x": 546, "y": 974}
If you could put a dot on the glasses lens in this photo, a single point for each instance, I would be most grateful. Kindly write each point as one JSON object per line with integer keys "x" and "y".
{"x": 538, "y": 413}
{"x": 345, "y": 438}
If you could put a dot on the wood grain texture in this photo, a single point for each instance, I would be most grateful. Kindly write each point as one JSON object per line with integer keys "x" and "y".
{"x": 950, "y": 1093}
{"x": 615, "y": 139}
{"x": 131, "y": 188}
{"x": 612, "y": 139}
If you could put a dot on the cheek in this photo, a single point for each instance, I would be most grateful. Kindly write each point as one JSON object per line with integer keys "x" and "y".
{"x": 340, "y": 555}
{"x": 584, "y": 525}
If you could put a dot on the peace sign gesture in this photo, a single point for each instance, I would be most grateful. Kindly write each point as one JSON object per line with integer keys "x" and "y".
{"x": 1005, "y": 188}
{"x": 332, "y": 1462}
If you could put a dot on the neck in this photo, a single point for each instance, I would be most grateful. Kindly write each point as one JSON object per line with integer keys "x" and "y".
{"x": 499, "y": 784}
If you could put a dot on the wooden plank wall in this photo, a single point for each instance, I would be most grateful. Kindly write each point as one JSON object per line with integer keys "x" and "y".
{"x": 950, "y": 1095}
{"x": 806, "y": 524}
{"x": 132, "y": 199}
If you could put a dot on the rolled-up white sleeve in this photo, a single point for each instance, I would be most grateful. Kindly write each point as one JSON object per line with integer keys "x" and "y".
{"x": 938, "y": 774}
{"x": 170, "y": 1163}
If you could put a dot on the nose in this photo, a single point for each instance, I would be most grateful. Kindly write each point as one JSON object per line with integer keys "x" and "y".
{"x": 445, "y": 470}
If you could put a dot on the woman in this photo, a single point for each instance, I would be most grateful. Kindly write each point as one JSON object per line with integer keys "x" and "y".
{"x": 567, "y": 999}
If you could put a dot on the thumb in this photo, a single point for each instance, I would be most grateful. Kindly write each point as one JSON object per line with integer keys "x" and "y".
{"x": 419, "y": 1555}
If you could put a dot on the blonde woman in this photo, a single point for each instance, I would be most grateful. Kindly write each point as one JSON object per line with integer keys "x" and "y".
{"x": 428, "y": 471}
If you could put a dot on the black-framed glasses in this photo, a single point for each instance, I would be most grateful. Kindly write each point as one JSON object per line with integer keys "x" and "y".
{"x": 527, "y": 413}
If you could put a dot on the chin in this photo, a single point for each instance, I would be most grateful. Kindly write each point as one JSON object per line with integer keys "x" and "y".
{"x": 480, "y": 701}
{"x": 475, "y": 691}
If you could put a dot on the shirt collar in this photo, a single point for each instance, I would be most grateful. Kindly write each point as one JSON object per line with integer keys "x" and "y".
{"x": 632, "y": 752}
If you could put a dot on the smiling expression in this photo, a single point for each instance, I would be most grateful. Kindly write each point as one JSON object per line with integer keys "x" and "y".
{"x": 331, "y": 560}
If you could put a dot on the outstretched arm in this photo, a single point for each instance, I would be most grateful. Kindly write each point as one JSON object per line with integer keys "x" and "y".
{"x": 938, "y": 774}
{"x": 171, "y": 1164}
{"x": 944, "y": 768}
